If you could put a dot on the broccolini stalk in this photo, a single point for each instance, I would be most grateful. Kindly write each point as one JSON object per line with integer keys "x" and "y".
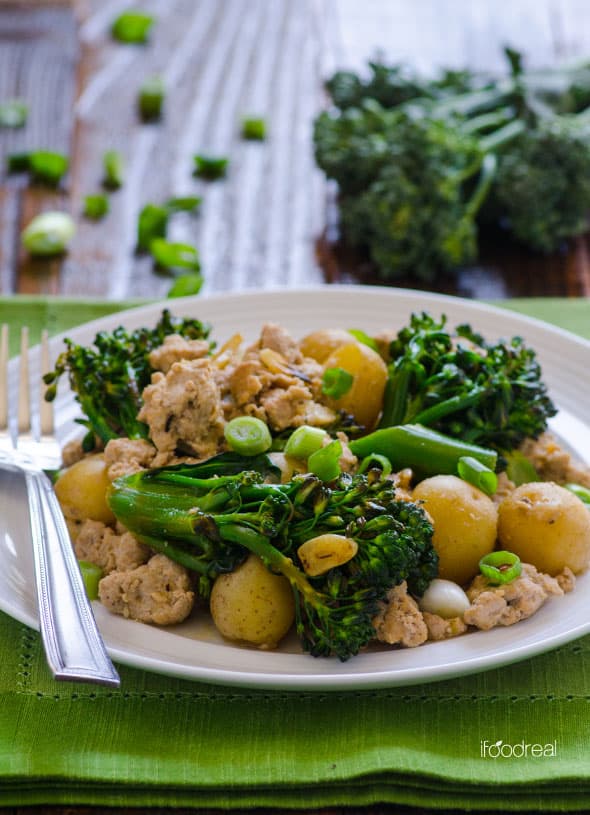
{"x": 488, "y": 394}
{"x": 210, "y": 524}
{"x": 109, "y": 377}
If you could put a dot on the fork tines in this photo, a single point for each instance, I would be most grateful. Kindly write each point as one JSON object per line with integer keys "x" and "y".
{"x": 43, "y": 410}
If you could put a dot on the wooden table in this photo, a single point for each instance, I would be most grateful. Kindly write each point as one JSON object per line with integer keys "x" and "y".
{"x": 266, "y": 224}
{"x": 269, "y": 222}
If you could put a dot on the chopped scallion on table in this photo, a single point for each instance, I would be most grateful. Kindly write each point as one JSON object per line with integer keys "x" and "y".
{"x": 113, "y": 170}
{"x": 13, "y": 113}
{"x": 174, "y": 255}
{"x": 186, "y": 285}
{"x": 151, "y": 99}
{"x": 44, "y": 166}
{"x": 187, "y": 203}
{"x": 95, "y": 206}
{"x": 253, "y": 128}
{"x": 210, "y": 167}
{"x": 48, "y": 234}
{"x": 152, "y": 224}
{"x": 132, "y": 27}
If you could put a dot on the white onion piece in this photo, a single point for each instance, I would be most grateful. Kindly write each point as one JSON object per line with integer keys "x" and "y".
{"x": 445, "y": 598}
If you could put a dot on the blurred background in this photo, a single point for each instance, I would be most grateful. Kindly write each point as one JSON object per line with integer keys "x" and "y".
{"x": 271, "y": 216}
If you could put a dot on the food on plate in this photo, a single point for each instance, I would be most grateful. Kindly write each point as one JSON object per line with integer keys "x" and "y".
{"x": 546, "y": 525}
{"x": 465, "y": 524}
{"x": 359, "y": 494}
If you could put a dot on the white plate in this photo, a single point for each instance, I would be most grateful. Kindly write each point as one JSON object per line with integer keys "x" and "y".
{"x": 194, "y": 650}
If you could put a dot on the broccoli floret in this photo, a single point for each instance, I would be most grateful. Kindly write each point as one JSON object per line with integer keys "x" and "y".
{"x": 543, "y": 182}
{"x": 108, "y": 379}
{"x": 210, "y": 524}
{"x": 489, "y": 394}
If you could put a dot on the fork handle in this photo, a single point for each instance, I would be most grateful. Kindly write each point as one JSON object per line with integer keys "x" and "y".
{"x": 73, "y": 645}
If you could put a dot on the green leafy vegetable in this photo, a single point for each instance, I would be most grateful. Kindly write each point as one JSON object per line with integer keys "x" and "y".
{"x": 108, "y": 377}
{"x": 132, "y": 27}
{"x": 210, "y": 523}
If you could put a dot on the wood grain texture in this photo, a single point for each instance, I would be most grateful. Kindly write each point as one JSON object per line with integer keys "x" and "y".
{"x": 272, "y": 220}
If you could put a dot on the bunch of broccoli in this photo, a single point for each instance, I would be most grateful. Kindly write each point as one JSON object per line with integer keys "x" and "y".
{"x": 420, "y": 165}
{"x": 210, "y": 524}
{"x": 485, "y": 393}
{"x": 108, "y": 377}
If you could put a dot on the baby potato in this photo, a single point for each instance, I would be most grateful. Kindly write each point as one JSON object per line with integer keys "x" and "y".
{"x": 81, "y": 490}
{"x": 546, "y": 525}
{"x": 320, "y": 344}
{"x": 252, "y": 605}
{"x": 364, "y": 399}
{"x": 465, "y": 524}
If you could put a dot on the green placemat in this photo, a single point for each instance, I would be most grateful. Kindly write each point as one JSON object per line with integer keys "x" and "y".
{"x": 512, "y": 739}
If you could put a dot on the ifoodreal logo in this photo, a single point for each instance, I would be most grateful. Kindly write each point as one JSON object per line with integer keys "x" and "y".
{"x": 519, "y": 749}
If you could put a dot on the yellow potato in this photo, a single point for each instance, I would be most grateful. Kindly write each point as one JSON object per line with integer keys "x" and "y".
{"x": 81, "y": 490}
{"x": 364, "y": 400}
{"x": 546, "y": 525}
{"x": 252, "y": 605}
{"x": 320, "y": 344}
{"x": 465, "y": 524}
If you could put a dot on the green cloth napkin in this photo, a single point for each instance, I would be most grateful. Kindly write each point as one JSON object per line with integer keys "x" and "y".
{"x": 160, "y": 741}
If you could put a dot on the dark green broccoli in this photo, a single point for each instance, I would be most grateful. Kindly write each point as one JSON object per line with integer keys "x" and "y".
{"x": 209, "y": 524}
{"x": 410, "y": 188}
{"x": 542, "y": 186}
{"x": 109, "y": 377}
{"x": 489, "y": 394}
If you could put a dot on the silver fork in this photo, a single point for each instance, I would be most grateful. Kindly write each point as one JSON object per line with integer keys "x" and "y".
{"x": 73, "y": 645}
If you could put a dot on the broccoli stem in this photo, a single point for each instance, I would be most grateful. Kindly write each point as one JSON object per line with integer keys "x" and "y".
{"x": 423, "y": 450}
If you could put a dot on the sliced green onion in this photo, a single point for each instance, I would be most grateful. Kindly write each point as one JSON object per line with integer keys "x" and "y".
{"x": 186, "y": 285}
{"x": 174, "y": 255}
{"x": 247, "y": 435}
{"x": 583, "y": 493}
{"x": 304, "y": 441}
{"x": 152, "y": 224}
{"x": 476, "y": 473}
{"x": 210, "y": 167}
{"x": 253, "y": 128}
{"x": 382, "y": 462}
{"x": 361, "y": 336}
{"x": 132, "y": 27}
{"x": 13, "y": 113}
{"x": 151, "y": 99}
{"x": 48, "y": 167}
{"x": 520, "y": 469}
{"x": 325, "y": 462}
{"x": 95, "y": 207}
{"x": 18, "y": 162}
{"x": 113, "y": 169}
{"x": 336, "y": 382}
{"x": 500, "y": 567}
{"x": 48, "y": 234}
{"x": 188, "y": 203}
{"x": 91, "y": 575}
